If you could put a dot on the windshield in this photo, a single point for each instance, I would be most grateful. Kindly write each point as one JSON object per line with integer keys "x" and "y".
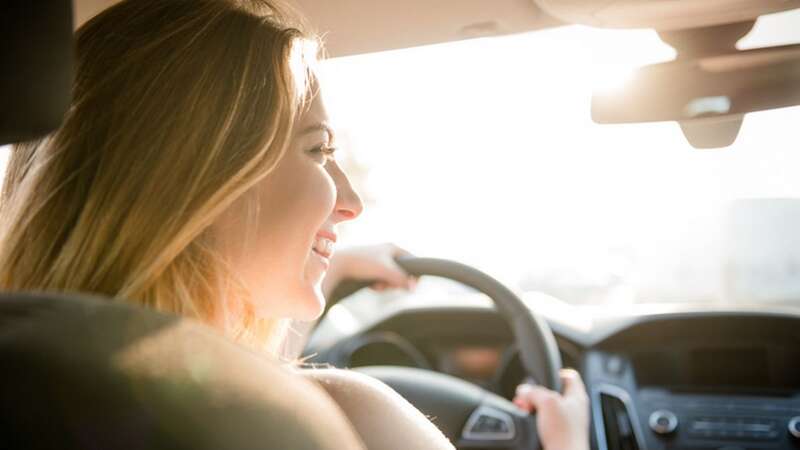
{"x": 484, "y": 151}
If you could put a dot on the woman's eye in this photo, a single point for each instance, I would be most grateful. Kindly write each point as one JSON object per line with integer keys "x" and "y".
{"x": 324, "y": 153}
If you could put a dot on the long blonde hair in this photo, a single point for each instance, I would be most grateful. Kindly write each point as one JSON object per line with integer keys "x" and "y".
{"x": 179, "y": 108}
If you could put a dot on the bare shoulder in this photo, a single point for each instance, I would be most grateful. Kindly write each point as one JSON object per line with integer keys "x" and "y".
{"x": 253, "y": 395}
{"x": 352, "y": 382}
{"x": 383, "y": 418}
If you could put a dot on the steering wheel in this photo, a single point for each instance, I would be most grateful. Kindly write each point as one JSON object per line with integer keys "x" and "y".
{"x": 467, "y": 414}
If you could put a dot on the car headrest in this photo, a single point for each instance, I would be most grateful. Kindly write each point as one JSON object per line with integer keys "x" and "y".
{"x": 81, "y": 373}
{"x": 36, "y": 56}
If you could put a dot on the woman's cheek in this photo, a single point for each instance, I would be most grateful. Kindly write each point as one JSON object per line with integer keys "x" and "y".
{"x": 328, "y": 192}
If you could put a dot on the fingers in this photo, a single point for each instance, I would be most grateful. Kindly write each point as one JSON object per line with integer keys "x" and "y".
{"x": 398, "y": 251}
{"x": 391, "y": 274}
{"x": 531, "y": 398}
{"x": 521, "y": 397}
{"x": 394, "y": 276}
{"x": 377, "y": 264}
{"x": 411, "y": 280}
{"x": 572, "y": 382}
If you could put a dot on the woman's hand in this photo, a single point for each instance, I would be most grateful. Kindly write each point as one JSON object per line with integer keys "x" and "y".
{"x": 369, "y": 262}
{"x": 561, "y": 419}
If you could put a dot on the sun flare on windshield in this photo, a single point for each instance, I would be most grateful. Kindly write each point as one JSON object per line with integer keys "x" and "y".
{"x": 484, "y": 151}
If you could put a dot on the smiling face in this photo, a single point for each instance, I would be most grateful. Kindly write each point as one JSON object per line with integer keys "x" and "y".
{"x": 284, "y": 257}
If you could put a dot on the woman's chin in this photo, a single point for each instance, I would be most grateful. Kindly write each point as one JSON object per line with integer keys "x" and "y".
{"x": 310, "y": 305}
{"x": 304, "y": 303}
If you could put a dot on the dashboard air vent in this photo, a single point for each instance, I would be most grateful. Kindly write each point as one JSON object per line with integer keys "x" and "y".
{"x": 617, "y": 423}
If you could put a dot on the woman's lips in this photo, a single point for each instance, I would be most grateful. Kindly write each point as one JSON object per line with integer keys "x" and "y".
{"x": 323, "y": 244}
{"x": 323, "y": 247}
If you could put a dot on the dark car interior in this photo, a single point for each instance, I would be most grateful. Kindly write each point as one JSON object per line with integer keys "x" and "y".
{"x": 684, "y": 379}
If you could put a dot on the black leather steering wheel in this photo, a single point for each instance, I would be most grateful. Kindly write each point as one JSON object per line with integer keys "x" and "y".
{"x": 467, "y": 414}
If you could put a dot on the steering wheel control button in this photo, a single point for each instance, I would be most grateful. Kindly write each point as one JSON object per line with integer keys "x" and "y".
{"x": 794, "y": 427}
{"x": 663, "y": 422}
{"x": 489, "y": 424}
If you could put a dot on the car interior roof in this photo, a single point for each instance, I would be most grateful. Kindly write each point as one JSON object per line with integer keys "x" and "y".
{"x": 362, "y": 26}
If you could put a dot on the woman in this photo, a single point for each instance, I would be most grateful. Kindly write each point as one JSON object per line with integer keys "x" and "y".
{"x": 195, "y": 173}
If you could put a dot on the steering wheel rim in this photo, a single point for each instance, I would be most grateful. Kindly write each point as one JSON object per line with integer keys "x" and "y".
{"x": 469, "y": 415}
{"x": 535, "y": 340}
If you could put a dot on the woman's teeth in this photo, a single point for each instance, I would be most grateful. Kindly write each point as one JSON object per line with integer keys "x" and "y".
{"x": 323, "y": 246}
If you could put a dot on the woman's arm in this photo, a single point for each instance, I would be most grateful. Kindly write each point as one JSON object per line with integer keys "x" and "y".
{"x": 368, "y": 263}
{"x": 383, "y": 419}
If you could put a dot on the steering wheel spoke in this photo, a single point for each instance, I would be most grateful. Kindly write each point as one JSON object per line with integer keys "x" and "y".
{"x": 470, "y": 416}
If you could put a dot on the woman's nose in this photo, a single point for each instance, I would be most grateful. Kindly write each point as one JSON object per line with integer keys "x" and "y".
{"x": 348, "y": 203}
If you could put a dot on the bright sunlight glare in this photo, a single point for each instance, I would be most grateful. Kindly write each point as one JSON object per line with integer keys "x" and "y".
{"x": 484, "y": 151}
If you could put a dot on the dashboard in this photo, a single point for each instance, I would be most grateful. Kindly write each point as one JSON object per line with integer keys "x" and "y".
{"x": 723, "y": 380}
{"x": 686, "y": 378}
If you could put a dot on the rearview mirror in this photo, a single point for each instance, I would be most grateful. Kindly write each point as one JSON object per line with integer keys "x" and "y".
{"x": 705, "y": 94}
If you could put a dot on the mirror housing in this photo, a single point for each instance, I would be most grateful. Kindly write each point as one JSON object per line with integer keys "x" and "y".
{"x": 707, "y": 95}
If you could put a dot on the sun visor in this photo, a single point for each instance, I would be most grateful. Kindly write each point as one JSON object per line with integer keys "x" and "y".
{"x": 661, "y": 14}
{"x": 36, "y": 56}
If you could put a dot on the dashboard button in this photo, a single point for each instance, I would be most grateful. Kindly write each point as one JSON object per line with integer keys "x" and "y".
{"x": 794, "y": 427}
{"x": 663, "y": 422}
